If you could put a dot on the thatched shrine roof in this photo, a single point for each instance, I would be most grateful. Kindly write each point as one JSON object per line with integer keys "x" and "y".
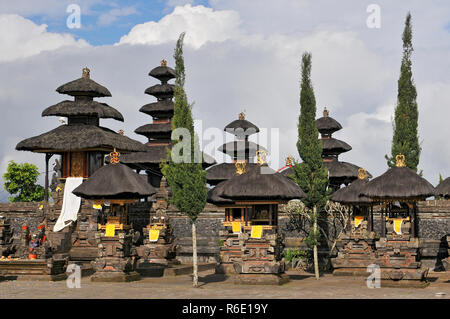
{"x": 115, "y": 181}
{"x": 83, "y": 108}
{"x": 213, "y": 198}
{"x": 336, "y": 169}
{"x": 443, "y": 189}
{"x": 157, "y": 108}
{"x": 237, "y": 148}
{"x": 398, "y": 182}
{"x": 351, "y": 193}
{"x": 79, "y": 137}
{"x": 163, "y": 72}
{"x": 150, "y": 129}
{"x": 225, "y": 171}
{"x": 255, "y": 185}
{"x": 241, "y": 127}
{"x": 334, "y": 146}
{"x": 326, "y": 124}
{"x": 161, "y": 91}
{"x": 84, "y": 86}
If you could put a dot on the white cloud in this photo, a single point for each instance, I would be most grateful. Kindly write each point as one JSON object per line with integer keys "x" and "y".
{"x": 29, "y": 39}
{"x": 111, "y": 16}
{"x": 201, "y": 25}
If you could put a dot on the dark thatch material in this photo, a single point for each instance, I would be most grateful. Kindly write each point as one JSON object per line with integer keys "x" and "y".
{"x": 240, "y": 148}
{"x": 83, "y": 108}
{"x": 115, "y": 181}
{"x": 213, "y": 198}
{"x": 336, "y": 169}
{"x": 157, "y": 108}
{"x": 83, "y": 86}
{"x": 224, "y": 171}
{"x": 241, "y": 128}
{"x": 163, "y": 73}
{"x": 398, "y": 183}
{"x": 150, "y": 129}
{"x": 79, "y": 137}
{"x": 334, "y": 146}
{"x": 253, "y": 185}
{"x": 161, "y": 91}
{"x": 327, "y": 125}
{"x": 351, "y": 193}
{"x": 443, "y": 189}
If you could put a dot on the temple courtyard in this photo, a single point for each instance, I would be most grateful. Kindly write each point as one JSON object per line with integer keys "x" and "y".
{"x": 212, "y": 286}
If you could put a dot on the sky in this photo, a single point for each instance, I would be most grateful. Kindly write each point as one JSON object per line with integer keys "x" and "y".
{"x": 239, "y": 56}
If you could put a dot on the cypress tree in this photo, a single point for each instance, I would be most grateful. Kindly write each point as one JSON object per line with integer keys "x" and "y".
{"x": 310, "y": 175}
{"x": 405, "y": 140}
{"x": 186, "y": 178}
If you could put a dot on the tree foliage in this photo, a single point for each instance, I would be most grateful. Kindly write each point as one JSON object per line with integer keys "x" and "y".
{"x": 20, "y": 181}
{"x": 405, "y": 139}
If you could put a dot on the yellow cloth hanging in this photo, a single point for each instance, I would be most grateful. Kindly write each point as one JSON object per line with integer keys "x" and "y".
{"x": 398, "y": 225}
{"x": 236, "y": 227}
{"x": 256, "y": 231}
{"x": 154, "y": 235}
{"x": 97, "y": 206}
{"x": 358, "y": 220}
{"x": 110, "y": 230}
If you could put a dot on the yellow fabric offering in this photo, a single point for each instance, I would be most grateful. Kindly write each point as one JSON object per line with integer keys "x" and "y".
{"x": 398, "y": 225}
{"x": 97, "y": 206}
{"x": 154, "y": 235}
{"x": 110, "y": 230}
{"x": 358, "y": 220}
{"x": 236, "y": 227}
{"x": 256, "y": 231}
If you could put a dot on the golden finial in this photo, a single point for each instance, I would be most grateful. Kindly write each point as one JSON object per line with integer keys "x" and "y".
{"x": 86, "y": 73}
{"x": 240, "y": 166}
{"x": 362, "y": 173}
{"x": 262, "y": 157}
{"x": 242, "y": 116}
{"x": 289, "y": 161}
{"x": 400, "y": 160}
{"x": 121, "y": 132}
{"x": 325, "y": 112}
{"x": 163, "y": 62}
{"x": 114, "y": 157}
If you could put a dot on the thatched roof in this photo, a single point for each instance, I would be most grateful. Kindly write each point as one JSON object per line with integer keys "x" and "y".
{"x": 443, "y": 189}
{"x": 83, "y": 86}
{"x": 253, "y": 185}
{"x": 79, "y": 137}
{"x": 224, "y": 171}
{"x": 398, "y": 183}
{"x": 240, "y": 148}
{"x": 241, "y": 127}
{"x": 157, "y": 108}
{"x": 336, "y": 169}
{"x": 213, "y": 198}
{"x": 83, "y": 108}
{"x": 334, "y": 146}
{"x": 351, "y": 193}
{"x": 161, "y": 91}
{"x": 327, "y": 125}
{"x": 151, "y": 129}
{"x": 163, "y": 73}
{"x": 115, "y": 181}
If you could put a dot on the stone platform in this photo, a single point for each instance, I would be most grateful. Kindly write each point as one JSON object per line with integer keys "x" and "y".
{"x": 33, "y": 270}
{"x": 260, "y": 279}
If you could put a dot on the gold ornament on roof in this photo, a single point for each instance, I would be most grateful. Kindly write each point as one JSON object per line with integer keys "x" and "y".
{"x": 86, "y": 73}
{"x": 240, "y": 166}
{"x": 163, "y": 62}
{"x": 121, "y": 132}
{"x": 242, "y": 116}
{"x": 114, "y": 157}
{"x": 289, "y": 161}
{"x": 262, "y": 157}
{"x": 400, "y": 160}
{"x": 325, "y": 112}
{"x": 362, "y": 173}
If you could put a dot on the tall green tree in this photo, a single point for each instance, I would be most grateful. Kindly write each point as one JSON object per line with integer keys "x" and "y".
{"x": 310, "y": 175}
{"x": 183, "y": 170}
{"x": 20, "y": 181}
{"x": 406, "y": 140}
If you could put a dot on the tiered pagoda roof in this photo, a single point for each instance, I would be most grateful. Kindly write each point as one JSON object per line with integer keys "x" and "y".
{"x": 83, "y": 131}
{"x": 443, "y": 189}
{"x": 239, "y": 150}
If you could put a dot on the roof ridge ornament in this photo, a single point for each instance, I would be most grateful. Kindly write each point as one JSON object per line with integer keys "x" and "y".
{"x": 114, "y": 157}
{"x": 400, "y": 160}
{"x": 326, "y": 112}
{"x": 262, "y": 157}
{"x": 86, "y": 73}
{"x": 240, "y": 166}
{"x": 241, "y": 116}
{"x": 163, "y": 62}
{"x": 362, "y": 173}
{"x": 289, "y": 161}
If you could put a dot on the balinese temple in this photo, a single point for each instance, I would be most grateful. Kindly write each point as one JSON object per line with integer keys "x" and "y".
{"x": 398, "y": 190}
{"x": 160, "y": 130}
{"x": 443, "y": 189}
{"x": 240, "y": 150}
{"x": 113, "y": 188}
{"x": 339, "y": 172}
{"x": 253, "y": 246}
